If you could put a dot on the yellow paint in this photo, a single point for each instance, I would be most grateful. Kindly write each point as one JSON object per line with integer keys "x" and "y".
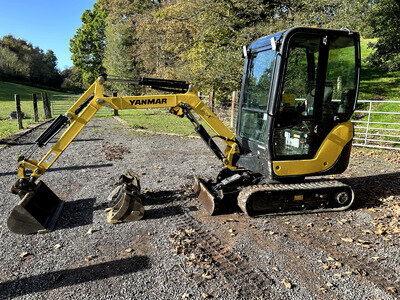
{"x": 298, "y": 197}
{"x": 325, "y": 157}
{"x": 289, "y": 98}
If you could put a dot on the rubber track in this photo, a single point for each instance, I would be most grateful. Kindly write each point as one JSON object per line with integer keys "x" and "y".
{"x": 240, "y": 275}
{"x": 246, "y": 192}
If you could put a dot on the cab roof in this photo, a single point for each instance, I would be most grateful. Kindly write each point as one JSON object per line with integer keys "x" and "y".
{"x": 265, "y": 42}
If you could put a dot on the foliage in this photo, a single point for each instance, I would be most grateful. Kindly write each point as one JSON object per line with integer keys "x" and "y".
{"x": 88, "y": 44}
{"x": 20, "y": 60}
{"x": 72, "y": 80}
{"x": 385, "y": 23}
{"x": 200, "y": 41}
{"x": 120, "y": 58}
{"x": 338, "y": 14}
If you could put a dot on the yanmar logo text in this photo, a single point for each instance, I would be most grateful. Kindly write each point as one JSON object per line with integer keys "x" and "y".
{"x": 148, "y": 101}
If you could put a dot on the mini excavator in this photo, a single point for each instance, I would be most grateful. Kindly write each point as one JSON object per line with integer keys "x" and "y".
{"x": 299, "y": 90}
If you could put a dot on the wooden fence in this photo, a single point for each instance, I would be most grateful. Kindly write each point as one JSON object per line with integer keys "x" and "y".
{"x": 19, "y": 115}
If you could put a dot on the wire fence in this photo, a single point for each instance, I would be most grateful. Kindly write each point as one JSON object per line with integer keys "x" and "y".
{"x": 61, "y": 103}
{"x": 377, "y": 125}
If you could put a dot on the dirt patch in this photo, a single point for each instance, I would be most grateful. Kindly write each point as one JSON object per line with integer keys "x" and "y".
{"x": 114, "y": 152}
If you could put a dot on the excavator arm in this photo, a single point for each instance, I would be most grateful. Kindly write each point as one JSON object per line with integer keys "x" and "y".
{"x": 39, "y": 206}
{"x": 93, "y": 99}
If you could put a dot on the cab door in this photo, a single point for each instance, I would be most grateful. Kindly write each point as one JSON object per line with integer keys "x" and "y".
{"x": 253, "y": 119}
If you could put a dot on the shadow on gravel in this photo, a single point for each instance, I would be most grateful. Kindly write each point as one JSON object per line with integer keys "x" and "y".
{"x": 162, "y": 197}
{"x": 22, "y": 143}
{"x": 163, "y": 212}
{"x": 68, "y": 277}
{"x": 370, "y": 189}
{"x": 71, "y": 168}
{"x": 77, "y": 213}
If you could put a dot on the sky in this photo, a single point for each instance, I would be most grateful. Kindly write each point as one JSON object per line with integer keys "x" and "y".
{"x": 48, "y": 24}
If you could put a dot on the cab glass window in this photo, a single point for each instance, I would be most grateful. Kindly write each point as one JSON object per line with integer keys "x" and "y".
{"x": 341, "y": 77}
{"x": 256, "y": 95}
{"x": 294, "y": 128}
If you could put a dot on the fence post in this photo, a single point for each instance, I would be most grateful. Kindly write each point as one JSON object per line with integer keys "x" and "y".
{"x": 234, "y": 99}
{"x": 211, "y": 101}
{"x": 115, "y": 94}
{"x": 35, "y": 108}
{"x": 46, "y": 106}
{"x": 19, "y": 114}
{"x": 369, "y": 118}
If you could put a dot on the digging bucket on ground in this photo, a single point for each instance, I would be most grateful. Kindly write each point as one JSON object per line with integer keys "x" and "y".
{"x": 37, "y": 212}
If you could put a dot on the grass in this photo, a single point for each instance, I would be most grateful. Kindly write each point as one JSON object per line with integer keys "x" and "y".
{"x": 7, "y": 105}
{"x": 8, "y": 89}
{"x": 377, "y": 83}
{"x": 158, "y": 120}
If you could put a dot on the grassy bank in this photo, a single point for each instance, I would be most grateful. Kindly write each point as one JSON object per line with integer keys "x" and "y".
{"x": 376, "y": 83}
{"x": 7, "y": 105}
{"x": 8, "y": 89}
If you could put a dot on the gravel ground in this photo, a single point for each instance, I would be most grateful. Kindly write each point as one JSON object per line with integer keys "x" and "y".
{"x": 177, "y": 251}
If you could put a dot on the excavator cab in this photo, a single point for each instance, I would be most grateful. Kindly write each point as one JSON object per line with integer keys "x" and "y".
{"x": 299, "y": 90}
{"x": 298, "y": 85}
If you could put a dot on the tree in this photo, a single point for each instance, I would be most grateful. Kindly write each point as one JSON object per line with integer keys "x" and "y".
{"x": 88, "y": 44}
{"x": 336, "y": 14}
{"x": 72, "y": 80}
{"x": 10, "y": 65}
{"x": 121, "y": 52}
{"x": 385, "y": 23}
{"x": 201, "y": 40}
{"x": 20, "y": 60}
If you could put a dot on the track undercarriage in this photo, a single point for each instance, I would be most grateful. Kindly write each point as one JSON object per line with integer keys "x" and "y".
{"x": 256, "y": 197}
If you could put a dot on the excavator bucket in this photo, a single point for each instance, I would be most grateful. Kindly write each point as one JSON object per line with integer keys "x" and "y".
{"x": 37, "y": 212}
{"x": 124, "y": 201}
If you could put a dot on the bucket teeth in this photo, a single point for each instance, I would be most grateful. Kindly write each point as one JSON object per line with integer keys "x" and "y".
{"x": 125, "y": 202}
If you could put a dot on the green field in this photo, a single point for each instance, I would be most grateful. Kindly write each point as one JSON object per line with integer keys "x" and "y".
{"x": 8, "y": 89}
{"x": 376, "y": 83}
{"x": 7, "y": 105}
{"x": 158, "y": 120}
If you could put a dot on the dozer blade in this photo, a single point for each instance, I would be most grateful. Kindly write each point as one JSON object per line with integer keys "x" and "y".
{"x": 125, "y": 202}
{"x": 213, "y": 204}
{"x": 37, "y": 212}
{"x": 204, "y": 195}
